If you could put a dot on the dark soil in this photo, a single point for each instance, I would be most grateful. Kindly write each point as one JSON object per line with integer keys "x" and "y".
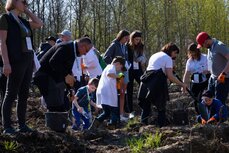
{"x": 189, "y": 138}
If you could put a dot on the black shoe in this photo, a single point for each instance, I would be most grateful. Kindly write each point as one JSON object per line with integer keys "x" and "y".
{"x": 111, "y": 126}
{"x": 9, "y": 131}
{"x": 25, "y": 129}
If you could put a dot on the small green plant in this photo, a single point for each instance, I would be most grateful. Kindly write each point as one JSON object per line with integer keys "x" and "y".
{"x": 10, "y": 146}
{"x": 136, "y": 144}
{"x": 153, "y": 141}
{"x": 147, "y": 141}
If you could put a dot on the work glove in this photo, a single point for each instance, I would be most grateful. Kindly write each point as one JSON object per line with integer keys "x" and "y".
{"x": 211, "y": 120}
{"x": 121, "y": 75}
{"x": 203, "y": 122}
{"x": 221, "y": 77}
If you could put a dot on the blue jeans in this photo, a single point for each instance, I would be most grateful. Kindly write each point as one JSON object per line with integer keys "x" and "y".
{"x": 107, "y": 111}
{"x": 220, "y": 89}
{"x": 78, "y": 116}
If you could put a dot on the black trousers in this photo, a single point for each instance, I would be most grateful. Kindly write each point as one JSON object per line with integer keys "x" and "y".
{"x": 133, "y": 75}
{"x": 3, "y": 80}
{"x": 18, "y": 84}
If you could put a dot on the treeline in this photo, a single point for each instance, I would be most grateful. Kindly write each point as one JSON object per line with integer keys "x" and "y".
{"x": 160, "y": 21}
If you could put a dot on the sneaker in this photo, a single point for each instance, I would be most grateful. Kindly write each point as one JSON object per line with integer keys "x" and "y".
{"x": 75, "y": 128}
{"x": 131, "y": 115}
{"x": 25, "y": 129}
{"x": 9, "y": 131}
{"x": 95, "y": 124}
{"x": 111, "y": 126}
{"x": 123, "y": 118}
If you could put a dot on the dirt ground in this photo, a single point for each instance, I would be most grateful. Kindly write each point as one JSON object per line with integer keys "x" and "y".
{"x": 187, "y": 138}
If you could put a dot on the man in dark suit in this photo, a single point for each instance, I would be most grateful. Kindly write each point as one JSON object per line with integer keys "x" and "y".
{"x": 44, "y": 47}
{"x": 56, "y": 70}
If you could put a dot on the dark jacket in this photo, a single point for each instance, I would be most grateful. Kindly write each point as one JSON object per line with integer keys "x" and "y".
{"x": 14, "y": 41}
{"x": 114, "y": 50}
{"x": 216, "y": 110}
{"x": 44, "y": 47}
{"x": 153, "y": 89}
{"x": 58, "y": 61}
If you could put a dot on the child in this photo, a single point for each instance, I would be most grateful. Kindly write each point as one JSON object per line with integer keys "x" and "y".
{"x": 107, "y": 92}
{"x": 211, "y": 110}
{"x": 81, "y": 108}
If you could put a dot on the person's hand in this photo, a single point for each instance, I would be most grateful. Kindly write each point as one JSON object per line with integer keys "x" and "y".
{"x": 211, "y": 120}
{"x": 80, "y": 110}
{"x": 203, "y": 122}
{"x": 121, "y": 75}
{"x": 221, "y": 77}
{"x": 7, "y": 69}
{"x": 70, "y": 80}
{"x": 83, "y": 66}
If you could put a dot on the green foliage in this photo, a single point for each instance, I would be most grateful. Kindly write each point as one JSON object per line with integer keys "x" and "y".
{"x": 132, "y": 122}
{"x": 147, "y": 141}
{"x": 10, "y": 146}
{"x": 136, "y": 145}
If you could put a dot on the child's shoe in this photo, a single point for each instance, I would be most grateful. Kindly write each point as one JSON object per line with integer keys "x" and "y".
{"x": 123, "y": 118}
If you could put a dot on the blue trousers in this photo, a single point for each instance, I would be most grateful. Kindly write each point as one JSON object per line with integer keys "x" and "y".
{"x": 78, "y": 116}
{"x": 220, "y": 89}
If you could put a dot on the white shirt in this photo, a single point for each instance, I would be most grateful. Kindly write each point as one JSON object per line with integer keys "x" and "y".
{"x": 76, "y": 68}
{"x": 195, "y": 66}
{"x": 107, "y": 92}
{"x": 160, "y": 60}
{"x": 92, "y": 63}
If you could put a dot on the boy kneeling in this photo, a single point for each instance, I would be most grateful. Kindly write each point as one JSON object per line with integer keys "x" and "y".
{"x": 211, "y": 110}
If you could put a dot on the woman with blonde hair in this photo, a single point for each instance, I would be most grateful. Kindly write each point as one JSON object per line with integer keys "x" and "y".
{"x": 16, "y": 47}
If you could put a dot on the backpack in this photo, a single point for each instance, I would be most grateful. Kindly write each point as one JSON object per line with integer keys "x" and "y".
{"x": 102, "y": 63}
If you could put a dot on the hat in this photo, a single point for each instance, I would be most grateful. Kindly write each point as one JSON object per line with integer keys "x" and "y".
{"x": 192, "y": 47}
{"x": 50, "y": 38}
{"x": 208, "y": 94}
{"x": 200, "y": 39}
{"x": 122, "y": 61}
{"x": 66, "y": 33}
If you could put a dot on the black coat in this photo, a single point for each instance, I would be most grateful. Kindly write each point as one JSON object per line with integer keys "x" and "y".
{"x": 153, "y": 89}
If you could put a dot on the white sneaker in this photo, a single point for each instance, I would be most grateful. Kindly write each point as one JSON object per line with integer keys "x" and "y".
{"x": 123, "y": 118}
{"x": 131, "y": 115}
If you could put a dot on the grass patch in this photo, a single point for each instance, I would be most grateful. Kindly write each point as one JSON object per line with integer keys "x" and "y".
{"x": 10, "y": 146}
{"x": 147, "y": 141}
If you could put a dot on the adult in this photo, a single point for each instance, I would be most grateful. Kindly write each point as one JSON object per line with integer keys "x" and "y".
{"x": 44, "y": 47}
{"x": 56, "y": 70}
{"x": 118, "y": 48}
{"x": 17, "y": 54}
{"x": 91, "y": 63}
{"x": 197, "y": 68}
{"x": 137, "y": 59}
{"x": 218, "y": 63}
{"x": 65, "y": 36}
{"x": 154, "y": 88}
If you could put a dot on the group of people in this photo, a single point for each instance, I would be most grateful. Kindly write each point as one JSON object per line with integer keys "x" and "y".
{"x": 70, "y": 74}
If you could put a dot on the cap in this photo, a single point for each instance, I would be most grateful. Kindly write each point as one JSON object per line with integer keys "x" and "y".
{"x": 65, "y": 33}
{"x": 208, "y": 94}
{"x": 200, "y": 39}
{"x": 122, "y": 61}
{"x": 50, "y": 38}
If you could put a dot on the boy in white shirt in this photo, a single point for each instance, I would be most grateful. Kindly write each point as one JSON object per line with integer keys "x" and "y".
{"x": 107, "y": 92}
